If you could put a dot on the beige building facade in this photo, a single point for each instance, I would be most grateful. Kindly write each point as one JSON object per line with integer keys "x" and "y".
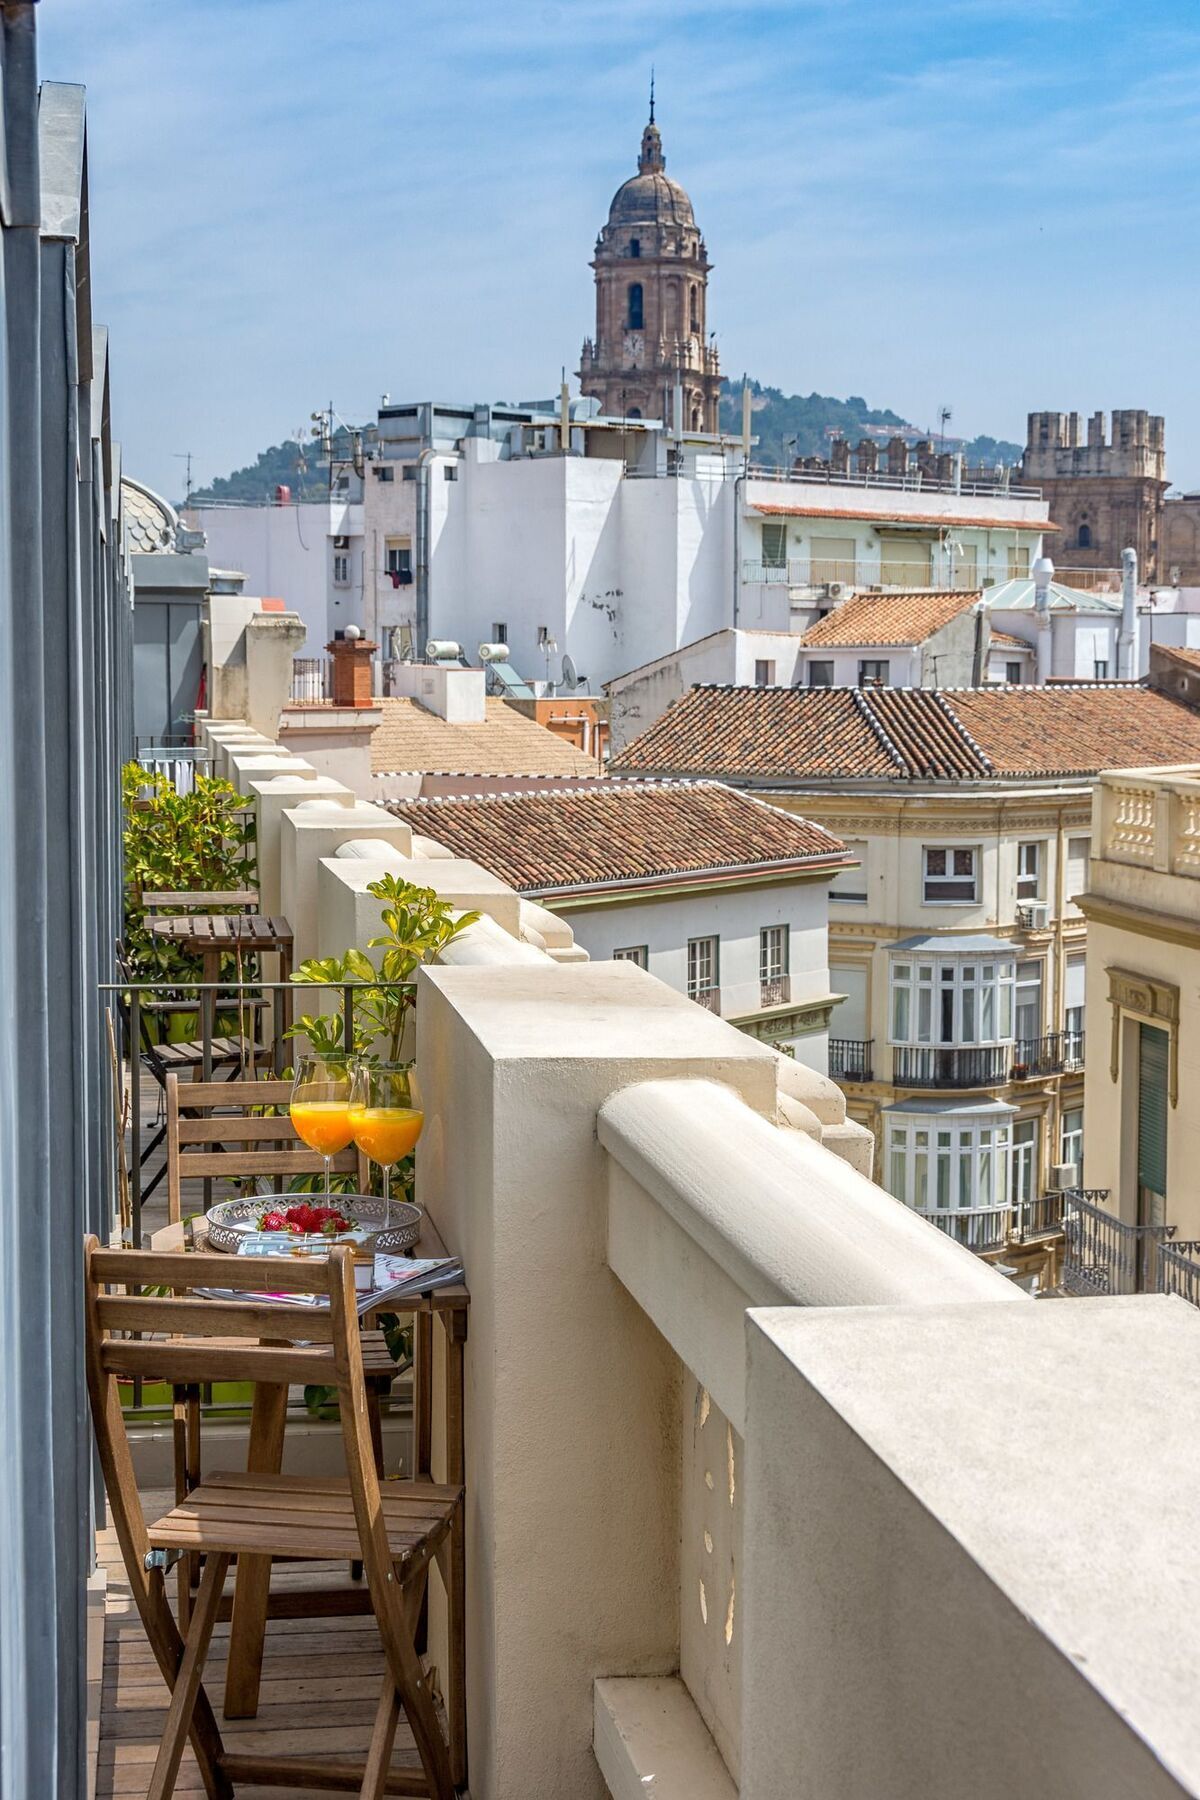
{"x": 1142, "y": 906}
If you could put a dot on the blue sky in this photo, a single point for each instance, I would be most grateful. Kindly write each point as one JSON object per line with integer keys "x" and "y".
{"x": 988, "y": 203}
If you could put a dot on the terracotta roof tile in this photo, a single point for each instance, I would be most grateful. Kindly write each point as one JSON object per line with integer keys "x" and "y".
{"x": 616, "y": 832}
{"x": 1180, "y": 653}
{"x": 412, "y": 740}
{"x": 913, "y": 734}
{"x": 901, "y": 618}
{"x": 1009, "y": 641}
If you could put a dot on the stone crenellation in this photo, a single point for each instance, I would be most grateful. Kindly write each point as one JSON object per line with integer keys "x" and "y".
{"x": 1104, "y": 490}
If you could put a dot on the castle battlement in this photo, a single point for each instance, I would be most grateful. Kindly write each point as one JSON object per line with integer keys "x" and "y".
{"x": 1057, "y": 445}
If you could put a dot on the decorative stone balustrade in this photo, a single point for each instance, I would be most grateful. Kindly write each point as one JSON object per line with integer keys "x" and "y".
{"x": 1150, "y": 818}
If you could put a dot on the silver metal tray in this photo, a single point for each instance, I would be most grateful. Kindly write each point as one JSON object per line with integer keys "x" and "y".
{"x": 386, "y": 1226}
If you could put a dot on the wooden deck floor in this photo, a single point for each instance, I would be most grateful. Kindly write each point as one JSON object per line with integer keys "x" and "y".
{"x": 321, "y": 1680}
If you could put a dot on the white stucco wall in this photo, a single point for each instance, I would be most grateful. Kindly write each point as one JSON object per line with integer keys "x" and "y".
{"x": 287, "y": 551}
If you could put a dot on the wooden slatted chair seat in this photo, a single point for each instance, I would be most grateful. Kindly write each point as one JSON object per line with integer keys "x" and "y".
{"x": 303, "y": 1516}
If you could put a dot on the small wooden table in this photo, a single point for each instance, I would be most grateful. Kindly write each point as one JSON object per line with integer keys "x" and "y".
{"x": 251, "y": 1598}
{"x": 214, "y": 935}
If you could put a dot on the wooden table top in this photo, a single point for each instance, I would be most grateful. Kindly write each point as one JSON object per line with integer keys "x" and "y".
{"x": 217, "y": 931}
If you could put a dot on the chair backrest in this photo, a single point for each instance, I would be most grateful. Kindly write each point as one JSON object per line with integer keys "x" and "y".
{"x": 206, "y": 1139}
{"x": 187, "y": 1354}
{"x": 192, "y": 899}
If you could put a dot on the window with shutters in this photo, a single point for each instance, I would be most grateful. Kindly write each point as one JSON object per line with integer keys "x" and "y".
{"x": 1074, "y": 1015}
{"x": 951, "y": 874}
{"x": 772, "y": 952}
{"x": 774, "y": 543}
{"x": 1029, "y": 871}
{"x": 833, "y": 559}
{"x": 906, "y": 562}
{"x": 1078, "y": 851}
{"x": 1018, "y": 563}
{"x": 1153, "y": 1054}
{"x": 701, "y": 965}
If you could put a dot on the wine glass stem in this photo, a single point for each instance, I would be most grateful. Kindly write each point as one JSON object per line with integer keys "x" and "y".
{"x": 328, "y": 1167}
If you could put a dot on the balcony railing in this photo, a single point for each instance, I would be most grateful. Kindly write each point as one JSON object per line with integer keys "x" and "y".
{"x": 709, "y": 998}
{"x": 1039, "y": 1217}
{"x": 1151, "y": 818}
{"x": 977, "y": 1228}
{"x": 1104, "y": 1255}
{"x": 915, "y": 481}
{"x": 851, "y": 1059}
{"x": 1179, "y": 1269}
{"x": 310, "y": 680}
{"x": 776, "y": 990}
{"x": 932, "y": 1066}
{"x": 818, "y": 571}
{"x": 1058, "y": 1051}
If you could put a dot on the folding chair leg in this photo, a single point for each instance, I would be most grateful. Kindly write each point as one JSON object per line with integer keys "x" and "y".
{"x": 408, "y": 1675}
{"x": 451, "y": 1561}
{"x": 187, "y": 1685}
{"x": 162, "y": 1634}
{"x": 383, "y": 1737}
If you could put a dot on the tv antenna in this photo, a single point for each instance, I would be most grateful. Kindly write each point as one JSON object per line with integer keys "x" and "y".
{"x": 945, "y": 415}
{"x": 185, "y": 456}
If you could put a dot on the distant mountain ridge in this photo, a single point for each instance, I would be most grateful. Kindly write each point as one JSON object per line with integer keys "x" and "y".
{"x": 786, "y": 426}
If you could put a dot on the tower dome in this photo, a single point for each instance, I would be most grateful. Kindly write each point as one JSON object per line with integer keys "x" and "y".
{"x": 652, "y": 352}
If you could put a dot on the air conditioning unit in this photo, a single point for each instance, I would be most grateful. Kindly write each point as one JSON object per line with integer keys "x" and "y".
{"x": 1033, "y": 915}
{"x": 1063, "y": 1176}
{"x": 838, "y": 590}
{"x": 341, "y": 543}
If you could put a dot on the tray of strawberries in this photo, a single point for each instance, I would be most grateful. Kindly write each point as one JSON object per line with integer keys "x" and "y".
{"x": 305, "y": 1225}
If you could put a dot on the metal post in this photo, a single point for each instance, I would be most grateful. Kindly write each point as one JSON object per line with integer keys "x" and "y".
{"x": 135, "y": 1117}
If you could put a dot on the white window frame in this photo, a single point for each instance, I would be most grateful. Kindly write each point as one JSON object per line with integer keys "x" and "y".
{"x": 774, "y": 531}
{"x": 1024, "y": 1164}
{"x": 1012, "y": 674}
{"x": 764, "y": 672}
{"x": 703, "y": 954}
{"x": 880, "y": 664}
{"x": 1030, "y": 868}
{"x": 341, "y": 568}
{"x": 774, "y": 952}
{"x": 950, "y": 876}
{"x": 638, "y": 954}
{"x": 981, "y": 991}
{"x": 499, "y": 632}
{"x": 397, "y": 556}
{"x": 944, "y": 1163}
{"x": 1070, "y": 1141}
{"x": 819, "y": 662}
{"x": 1028, "y": 983}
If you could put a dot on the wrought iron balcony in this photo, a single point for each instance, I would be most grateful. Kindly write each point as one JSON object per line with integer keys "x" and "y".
{"x": 851, "y": 1059}
{"x": 977, "y": 1228}
{"x": 1179, "y": 1269}
{"x": 1033, "y": 1058}
{"x": 775, "y": 991}
{"x": 933, "y": 1066}
{"x": 1040, "y": 1217}
{"x": 1104, "y": 1255}
{"x": 709, "y": 998}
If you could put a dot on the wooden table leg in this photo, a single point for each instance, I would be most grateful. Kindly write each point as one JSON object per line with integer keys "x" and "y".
{"x": 249, "y": 1623}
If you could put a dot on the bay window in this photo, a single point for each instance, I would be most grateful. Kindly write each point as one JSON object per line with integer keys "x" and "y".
{"x": 952, "y": 1000}
{"x": 947, "y": 1160}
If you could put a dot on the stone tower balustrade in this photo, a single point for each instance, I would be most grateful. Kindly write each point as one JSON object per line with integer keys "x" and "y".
{"x": 772, "y": 1489}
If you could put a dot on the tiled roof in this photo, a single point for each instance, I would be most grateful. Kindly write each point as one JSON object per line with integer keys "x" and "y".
{"x": 1178, "y": 653}
{"x": 412, "y": 740}
{"x": 1009, "y": 642}
{"x": 617, "y": 832}
{"x": 149, "y": 519}
{"x": 913, "y": 734}
{"x": 902, "y": 618}
{"x": 990, "y": 523}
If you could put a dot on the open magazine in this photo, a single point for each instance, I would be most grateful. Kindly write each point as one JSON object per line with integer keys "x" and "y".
{"x": 394, "y": 1280}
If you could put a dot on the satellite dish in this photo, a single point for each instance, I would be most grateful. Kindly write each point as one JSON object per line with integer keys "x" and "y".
{"x": 569, "y": 674}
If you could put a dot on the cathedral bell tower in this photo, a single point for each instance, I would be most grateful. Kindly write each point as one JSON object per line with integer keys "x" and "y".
{"x": 651, "y": 303}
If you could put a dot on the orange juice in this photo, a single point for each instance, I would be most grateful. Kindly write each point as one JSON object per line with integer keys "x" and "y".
{"x": 324, "y": 1125}
{"x": 386, "y": 1133}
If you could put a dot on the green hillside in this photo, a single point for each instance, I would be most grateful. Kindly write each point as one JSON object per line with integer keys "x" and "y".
{"x": 779, "y": 419}
{"x": 809, "y": 418}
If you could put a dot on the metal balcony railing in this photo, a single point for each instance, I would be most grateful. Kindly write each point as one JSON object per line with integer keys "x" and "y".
{"x": 913, "y": 481}
{"x": 851, "y": 1059}
{"x": 1033, "y": 1058}
{"x": 1041, "y": 1216}
{"x": 1103, "y": 1254}
{"x": 977, "y": 1228}
{"x": 310, "y": 679}
{"x": 932, "y": 1066}
{"x": 775, "y": 990}
{"x": 709, "y": 998}
{"x": 1179, "y": 1269}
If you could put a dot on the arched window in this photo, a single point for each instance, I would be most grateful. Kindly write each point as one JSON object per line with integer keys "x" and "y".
{"x": 695, "y": 418}
{"x": 635, "y": 307}
{"x": 635, "y": 246}
{"x": 1085, "y": 537}
{"x": 635, "y": 412}
{"x": 694, "y": 303}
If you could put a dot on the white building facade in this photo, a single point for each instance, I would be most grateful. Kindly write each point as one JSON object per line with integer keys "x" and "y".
{"x": 310, "y": 554}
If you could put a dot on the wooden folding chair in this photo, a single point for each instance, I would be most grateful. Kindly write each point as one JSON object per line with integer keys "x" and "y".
{"x": 192, "y": 900}
{"x": 397, "y": 1532}
{"x": 206, "y": 1138}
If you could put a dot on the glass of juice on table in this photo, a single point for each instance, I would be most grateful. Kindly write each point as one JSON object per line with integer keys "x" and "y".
{"x": 320, "y": 1106}
{"x": 385, "y": 1114}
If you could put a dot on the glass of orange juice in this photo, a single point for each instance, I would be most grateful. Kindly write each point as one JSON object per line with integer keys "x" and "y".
{"x": 320, "y": 1106}
{"x": 385, "y": 1114}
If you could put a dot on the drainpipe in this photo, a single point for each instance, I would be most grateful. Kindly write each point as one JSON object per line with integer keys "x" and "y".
{"x": 737, "y": 506}
{"x": 1043, "y": 575}
{"x": 422, "y": 534}
{"x": 1126, "y": 669}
